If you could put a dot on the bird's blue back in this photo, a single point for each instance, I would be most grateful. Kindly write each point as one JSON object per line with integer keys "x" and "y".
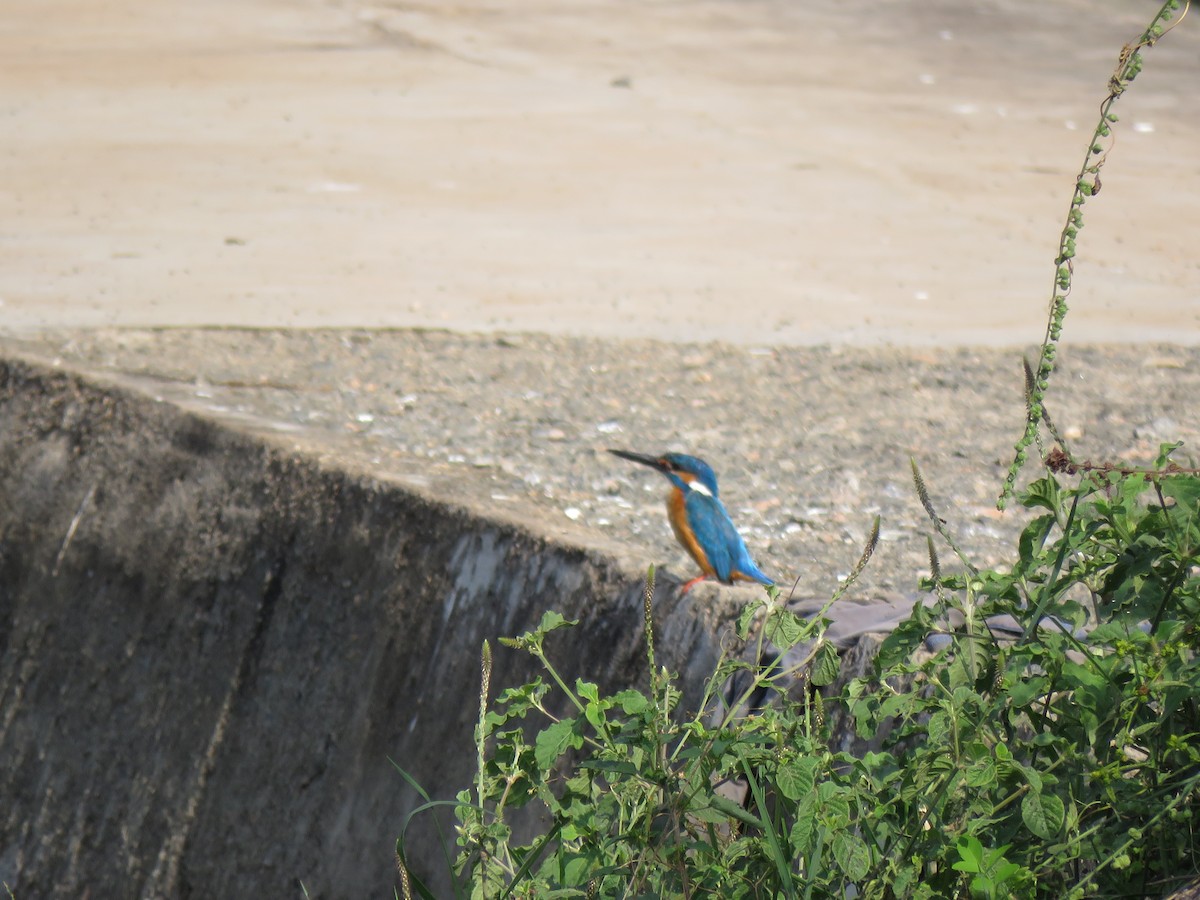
{"x": 716, "y": 534}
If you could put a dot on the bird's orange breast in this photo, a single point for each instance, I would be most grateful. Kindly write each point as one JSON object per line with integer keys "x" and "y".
{"x": 677, "y": 513}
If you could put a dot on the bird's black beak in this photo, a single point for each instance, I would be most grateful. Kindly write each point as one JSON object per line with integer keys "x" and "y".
{"x": 652, "y": 461}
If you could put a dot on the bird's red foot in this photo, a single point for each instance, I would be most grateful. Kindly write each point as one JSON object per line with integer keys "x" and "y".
{"x": 687, "y": 587}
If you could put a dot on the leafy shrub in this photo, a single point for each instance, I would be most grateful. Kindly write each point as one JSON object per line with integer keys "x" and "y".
{"x": 1053, "y": 754}
{"x": 1062, "y": 761}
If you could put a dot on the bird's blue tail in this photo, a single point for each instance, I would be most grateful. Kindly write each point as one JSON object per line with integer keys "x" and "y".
{"x": 747, "y": 569}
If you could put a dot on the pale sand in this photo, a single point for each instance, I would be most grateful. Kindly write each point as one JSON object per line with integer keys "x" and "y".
{"x": 745, "y": 170}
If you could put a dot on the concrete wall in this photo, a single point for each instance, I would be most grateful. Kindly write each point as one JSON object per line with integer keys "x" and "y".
{"x": 210, "y": 647}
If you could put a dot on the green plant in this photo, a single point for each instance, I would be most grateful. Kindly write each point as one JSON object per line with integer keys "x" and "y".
{"x": 644, "y": 801}
{"x": 1063, "y": 760}
{"x": 1058, "y": 758}
{"x": 1087, "y": 185}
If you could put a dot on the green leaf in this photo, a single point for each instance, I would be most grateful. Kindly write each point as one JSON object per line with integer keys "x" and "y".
{"x": 594, "y": 713}
{"x": 552, "y": 621}
{"x": 970, "y": 855}
{"x": 1003, "y": 869}
{"x": 727, "y": 806}
{"x": 633, "y": 702}
{"x": 708, "y": 814}
{"x": 1164, "y": 457}
{"x": 785, "y": 629}
{"x": 982, "y": 773}
{"x": 575, "y": 872}
{"x": 905, "y": 875}
{"x": 587, "y": 690}
{"x": 1030, "y": 774}
{"x": 796, "y": 777}
{"x": 852, "y": 855}
{"x": 1043, "y": 814}
{"x": 937, "y": 729}
{"x": 1033, "y": 537}
{"x": 532, "y": 640}
{"x": 1044, "y": 493}
{"x": 517, "y": 701}
{"x": 749, "y": 611}
{"x": 906, "y": 637}
{"x": 552, "y": 742}
{"x": 801, "y": 835}
{"x": 899, "y": 704}
{"x": 834, "y": 808}
{"x": 827, "y": 665}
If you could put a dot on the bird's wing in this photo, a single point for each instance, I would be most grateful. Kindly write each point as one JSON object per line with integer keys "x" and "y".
{"x": 715, "y": 533}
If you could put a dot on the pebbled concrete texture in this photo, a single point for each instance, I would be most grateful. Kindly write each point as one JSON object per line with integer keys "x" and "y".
{"x": 210, "y": 656}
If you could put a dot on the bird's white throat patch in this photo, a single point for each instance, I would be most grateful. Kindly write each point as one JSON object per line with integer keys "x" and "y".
{"x": 700, "y": 487}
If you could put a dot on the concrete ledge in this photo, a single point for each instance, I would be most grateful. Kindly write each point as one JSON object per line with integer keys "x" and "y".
{"x": 210, "y": 647}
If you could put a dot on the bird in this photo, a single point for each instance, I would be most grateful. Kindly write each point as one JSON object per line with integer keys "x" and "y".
{"x": 699, "y": 519}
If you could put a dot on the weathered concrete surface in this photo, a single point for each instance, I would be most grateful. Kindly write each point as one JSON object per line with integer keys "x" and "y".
{"x": 210, "y": 647}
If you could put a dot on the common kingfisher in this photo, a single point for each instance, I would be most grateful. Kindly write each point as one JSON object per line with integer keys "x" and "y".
{"x": 699, "y": 519}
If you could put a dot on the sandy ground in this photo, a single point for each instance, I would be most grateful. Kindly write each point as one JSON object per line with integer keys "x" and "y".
{"x": 755, "y": 171}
